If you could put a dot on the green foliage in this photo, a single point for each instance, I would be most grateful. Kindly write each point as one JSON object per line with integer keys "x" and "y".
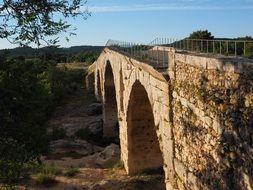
{"x": 24, "y": 103}
{"x": 201, "y": 34}
{"x": 71, "y": 172}
{"x": 62, "y": 80}
{"x": 46, "y": 174}
{"x": 33, "y": 21}
{"x": 49, "y": 169}
{"x": 29, "y": 90}
{"x": 46, "y": 179}
{"x": 88, "y": 57}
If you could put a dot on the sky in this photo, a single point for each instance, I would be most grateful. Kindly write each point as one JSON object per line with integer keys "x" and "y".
{"x": 143, "y": 20}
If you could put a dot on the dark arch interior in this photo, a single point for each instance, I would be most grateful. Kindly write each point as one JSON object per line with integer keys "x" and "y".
{"x": 98, "y": 85}
{"x": 144, "y": 149}
{"x": 111, "y": 126}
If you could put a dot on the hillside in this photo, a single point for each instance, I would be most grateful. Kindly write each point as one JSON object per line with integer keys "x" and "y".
{"x": 33, "y": 52}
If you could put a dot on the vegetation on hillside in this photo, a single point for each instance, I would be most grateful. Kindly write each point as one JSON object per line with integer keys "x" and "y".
{"x": 87, "y": 54}
{"x": 29, "y": 91}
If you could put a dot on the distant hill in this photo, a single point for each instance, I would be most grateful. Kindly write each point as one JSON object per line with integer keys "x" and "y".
{"x": 32, "y": 52}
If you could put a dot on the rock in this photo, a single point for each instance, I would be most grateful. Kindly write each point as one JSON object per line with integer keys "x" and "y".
{"x": 80, "y": 146}
{"x": 96, "y": 126}
{"x": 108, "y": 156}
{"x": 94, "y": 109}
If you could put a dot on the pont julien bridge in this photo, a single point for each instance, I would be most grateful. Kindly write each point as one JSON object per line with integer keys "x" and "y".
{"x": 193, "y": 116}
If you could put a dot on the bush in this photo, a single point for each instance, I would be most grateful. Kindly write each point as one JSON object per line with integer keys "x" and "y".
{"x": 24, "y": 103}
{"x": 63, "y": 81}
{"x": 50, "y": 169}
{"x": 29, "y": 91}
{"x": 46, "y": 179}
{"x": 46, "y": 174}
{"x": 71, "y": 172}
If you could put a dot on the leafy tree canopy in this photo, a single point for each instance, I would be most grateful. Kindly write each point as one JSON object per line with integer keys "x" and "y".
{"x": 38, "y": 21}
{"x": 201, "y": 34}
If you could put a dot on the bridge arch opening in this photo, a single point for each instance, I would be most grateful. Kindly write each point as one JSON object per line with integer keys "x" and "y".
{"x": 144, "y": 151}
{"x": 111, "y": 126}
{"x": 99, "y": 94}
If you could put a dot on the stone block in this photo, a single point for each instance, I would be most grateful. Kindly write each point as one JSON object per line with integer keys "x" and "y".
{"x": 214, "y": 64}
{"x": 217, "y": 126}
{"x": 181, "y": 170}
{"x": 199, "y": 62}
{"x": 192, "y": 181}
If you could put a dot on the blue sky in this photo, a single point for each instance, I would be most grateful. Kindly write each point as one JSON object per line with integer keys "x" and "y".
{"x": 144, "y": 20}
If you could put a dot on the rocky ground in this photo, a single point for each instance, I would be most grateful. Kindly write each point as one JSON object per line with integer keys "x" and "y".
{"x": 96, "y": 162}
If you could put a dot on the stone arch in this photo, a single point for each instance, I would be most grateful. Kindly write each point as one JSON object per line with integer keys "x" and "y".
{"x": 98, "y": 86}
{"x": 110, "y": 111}
{"x": 143, "y": 143}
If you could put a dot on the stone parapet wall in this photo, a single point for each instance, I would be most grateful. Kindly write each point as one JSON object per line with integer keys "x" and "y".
{"x": 212, "y": 118}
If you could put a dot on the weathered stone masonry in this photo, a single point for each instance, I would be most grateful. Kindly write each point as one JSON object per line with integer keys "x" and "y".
{"x": 197, "y": 125}
{"x": 212, "y": 122}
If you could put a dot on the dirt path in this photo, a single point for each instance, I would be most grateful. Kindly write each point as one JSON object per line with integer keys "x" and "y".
{"x": 97, "y": 167}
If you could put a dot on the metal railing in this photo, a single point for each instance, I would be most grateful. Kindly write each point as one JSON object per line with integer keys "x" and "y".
{"x": 156, "y": 52}
{"x": 226, "y": 47}
{"x": 150, "y": 54}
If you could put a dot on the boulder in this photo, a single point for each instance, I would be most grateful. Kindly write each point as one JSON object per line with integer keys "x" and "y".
{"x": 110, "y": 155}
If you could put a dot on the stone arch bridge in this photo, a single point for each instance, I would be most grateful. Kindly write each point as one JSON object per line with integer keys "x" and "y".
{"x": 194, "y": 119}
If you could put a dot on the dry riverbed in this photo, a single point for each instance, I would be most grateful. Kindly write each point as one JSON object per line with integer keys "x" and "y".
{"x": 77, "y": 161}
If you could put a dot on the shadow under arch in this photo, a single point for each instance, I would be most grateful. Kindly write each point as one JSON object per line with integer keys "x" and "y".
{"x": 110, "y": 112}
{"x": 143, "y": 145}
{"x": 99, "y": 92}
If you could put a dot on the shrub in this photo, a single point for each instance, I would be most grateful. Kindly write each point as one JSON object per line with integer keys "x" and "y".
{"x": 24, "y": 102}
{"x": 29, "y": 91}
{"x": 45, "y": 179}
{"x": 71, "y": 172}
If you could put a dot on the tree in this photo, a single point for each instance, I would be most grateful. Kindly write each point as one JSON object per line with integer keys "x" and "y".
{"x": 38, "y": 21}
{"x": 201, "y": 34}
{"x": 24, "y": 105}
